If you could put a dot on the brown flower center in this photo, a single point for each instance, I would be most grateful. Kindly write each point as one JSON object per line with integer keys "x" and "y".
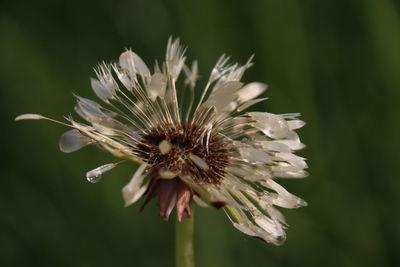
{"x": 174, "y": 150}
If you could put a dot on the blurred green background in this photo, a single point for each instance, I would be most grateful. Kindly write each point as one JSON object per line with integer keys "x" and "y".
{"x": 337, "y": 62}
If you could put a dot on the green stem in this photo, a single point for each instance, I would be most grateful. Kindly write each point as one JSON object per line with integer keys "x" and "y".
{"x": 184, "y": 242}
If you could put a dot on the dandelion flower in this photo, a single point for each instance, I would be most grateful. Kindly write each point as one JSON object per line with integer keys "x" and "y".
{"x": 208, "y": 151}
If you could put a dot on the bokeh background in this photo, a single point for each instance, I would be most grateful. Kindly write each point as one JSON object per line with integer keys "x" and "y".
{"x": 337, "y": 62}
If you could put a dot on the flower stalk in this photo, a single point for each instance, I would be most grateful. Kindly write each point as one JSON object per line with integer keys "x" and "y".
{"x": 184, "y": 242}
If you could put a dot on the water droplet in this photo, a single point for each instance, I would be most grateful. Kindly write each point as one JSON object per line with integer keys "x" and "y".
{"x": 93, "y": 177}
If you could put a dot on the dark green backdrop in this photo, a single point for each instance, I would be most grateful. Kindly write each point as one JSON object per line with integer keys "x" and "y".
{"x": 335, "y": 61}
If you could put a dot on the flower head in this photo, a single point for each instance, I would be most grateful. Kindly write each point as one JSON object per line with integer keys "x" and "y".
{"x": 213, "y": 153}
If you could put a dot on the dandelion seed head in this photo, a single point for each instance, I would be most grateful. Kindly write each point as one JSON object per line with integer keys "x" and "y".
{"x": 213, "y": 153}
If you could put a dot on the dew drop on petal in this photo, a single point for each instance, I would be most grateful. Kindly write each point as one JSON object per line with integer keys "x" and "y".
{"x": 94, "y": 176}
{"x": 272, "y": 125}
{"x": 250, "y": 91}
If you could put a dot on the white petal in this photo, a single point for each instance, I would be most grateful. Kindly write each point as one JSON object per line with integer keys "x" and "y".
{"x": 104, "y": 129}
{"x": 131, "y": 62}
{"x": 88, "y": 109}
{"x": 29, "y": 117}
{"x": 250, "y": 103}
{"x": 220, "y": 102}
{"x": 292, "y": 159}
{"x": 228, "y": 73}
{"x": 250, "y": 154}
{"x": 244, "y": 229}
{"x": 117, "y": 149}
{"x": 93, "y": 113}
{"x": 104, "y": 87}
{"x": 250, "y": 229}
{"x": 220, "y": 68}
{"x": 269, "y": 226}
{"x": 291, "y": 116}
{"x": 270, "y": 124}
{"x": 276, "y": 215}
{"x": 135, "y": 188}
{"x": 275, "y": 146}
{"x": 73, "y": 140}
{"x": 98, "y": 88}
{"x": 175, "y": 57}
{"x": 191, "y": 74}
{"x": 223, "y": 96}
{"x": 228, "y": 88}
{"x": 290, "y": 202}
{"x": 102, "y": 90}
{"x": 291, "y": 174}
{"x": 157, "y": 87}
{"x": 292, "y": 141}
{"x": 296, "y": 124}
{"x": 284, "y": 199}
{"x": 250, "y": 91}
{"x": 265, "y": 228}
{"x": 123, "y": 77}
{"x": 38, "y": 117}
{"x": 281, "y": 166}
{"x": 239, "y": 171}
